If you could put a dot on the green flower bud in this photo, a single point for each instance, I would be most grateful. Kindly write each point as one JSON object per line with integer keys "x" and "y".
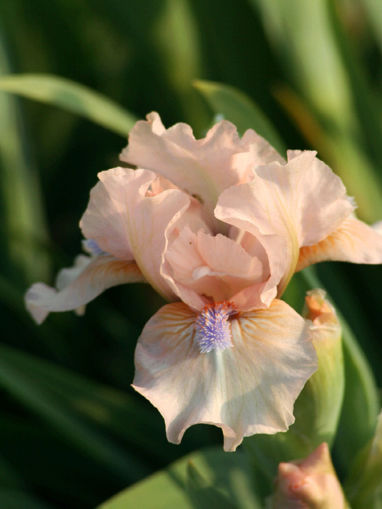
{"x": 318, "y": 407}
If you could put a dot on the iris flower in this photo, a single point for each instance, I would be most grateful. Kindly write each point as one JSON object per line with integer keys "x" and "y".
{"x": 217, "y": 226}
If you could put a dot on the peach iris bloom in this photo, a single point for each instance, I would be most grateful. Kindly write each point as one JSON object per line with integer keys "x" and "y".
{"x": 217, "y": 226}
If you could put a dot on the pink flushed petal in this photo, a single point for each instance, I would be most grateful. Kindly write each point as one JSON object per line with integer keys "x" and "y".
{"x": 259, "y": 152}
{"x": 300, "y": 202}
{"x": 202, "y": 168}
{"x": 308, "y": 483}
{"x": 244, "y": 389}
{"x": 147, "y": 218}
{"x": 105, "y": 222}
{"x": 212, "y": 266}
{"x": 353, "y": 241}
{"x": 234, "y": 207}
{"x": 226, "y": 256}
{"x": 182, "y": 254}
{"x": 78, "y": 285}
{"x": 180, "y": 261}
{"x": 304, "y": 197}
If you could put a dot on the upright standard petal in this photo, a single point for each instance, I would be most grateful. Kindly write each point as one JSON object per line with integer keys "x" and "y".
{"x": 302, "y": 201}
{"x": 105, "y": 223}
{"x": 145, "y": 218}
{"x": 234, "y": 207}
{"x": 246, "y": 383}
{"x": 203, "y": 168}
{"x": 80, "y": 284}
{"x": 353, "y": 241}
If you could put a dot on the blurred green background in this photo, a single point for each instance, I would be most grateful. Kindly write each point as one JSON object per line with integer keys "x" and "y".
{"x": 72, "y": 431}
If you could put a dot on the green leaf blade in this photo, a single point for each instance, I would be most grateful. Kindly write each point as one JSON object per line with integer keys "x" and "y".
{"x": 70, "y": 96}
{"x": 238, "y": 108}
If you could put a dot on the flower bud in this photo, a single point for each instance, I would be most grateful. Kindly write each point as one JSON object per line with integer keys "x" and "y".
{"x": 310, "y": 483}
{"x": 318, "y": 407}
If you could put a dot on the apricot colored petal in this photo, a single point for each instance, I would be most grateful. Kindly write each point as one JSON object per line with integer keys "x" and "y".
{"x": 246, "y": 389}
{"x": 224, "y": 255}
{"x": 105, "y": 222}
{"x": 203, "y": 167}
{"x": 80, "y": 284}
{"x": 258, "y": 152}
{"x": 308, "y": 483}
{"x": 214, "y": 266}
{"x": 302, "y": 201}
{"x": 304, "y": 197}
{"x": 235, "y": 207}
{"x": 353, "y": 241}
{"x": 147, "y": 218}
{"x": 180, "y": 261}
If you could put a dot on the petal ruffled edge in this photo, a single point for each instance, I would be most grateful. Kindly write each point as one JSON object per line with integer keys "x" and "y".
{"x": 202, "y": 167}
{"x": 145, "y": 219}
{"x": 78, "y": 285}
{"x": 247, "y": 389}
{"x": 353, "y": 241}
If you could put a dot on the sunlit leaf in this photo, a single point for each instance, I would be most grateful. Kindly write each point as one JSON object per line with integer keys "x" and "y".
{"x": 312, "y": 49}
{"x": 176, "y": 22}
{"x": 364, "y": 484}
{"x": 22, "y": 220}
{"x": 203, "y": 495}
{"x": 229, "y": 473}
{"x": 374, "y": 14}
{"x": 234, "y": 105}
{"x": 72, "y": 97}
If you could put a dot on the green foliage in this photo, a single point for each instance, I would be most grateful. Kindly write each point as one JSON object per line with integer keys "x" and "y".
{"x": 72, "y": 97}
{"x": 235, "y": 106}
{"x": 304, "y": 74}
{"x": 364, "y": 483}
{"x": 207, "y": 478}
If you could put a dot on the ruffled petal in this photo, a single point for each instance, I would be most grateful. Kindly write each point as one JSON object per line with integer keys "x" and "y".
{"x": 303, "y": 198}
{"x": 203, "y": 168}
{"x": 258, "y": 152}
{"x": 235, "y": 208}
{"x": 78, "y": 285}
{"x": 214, "y": 267}
{"x": 146, "y": 218}
{"x": 353, "y": 241}
{"x": 105, "y": 223}
{"x": 244, "y": 389}
{"x": 302, "y": 201}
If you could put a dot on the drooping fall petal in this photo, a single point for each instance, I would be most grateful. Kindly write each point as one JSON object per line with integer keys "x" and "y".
{"x": 80, "y": 284}
{"x": 353, "y": 241}
{"x": 248, "y": 386}
{"x": 204, "y": 167}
